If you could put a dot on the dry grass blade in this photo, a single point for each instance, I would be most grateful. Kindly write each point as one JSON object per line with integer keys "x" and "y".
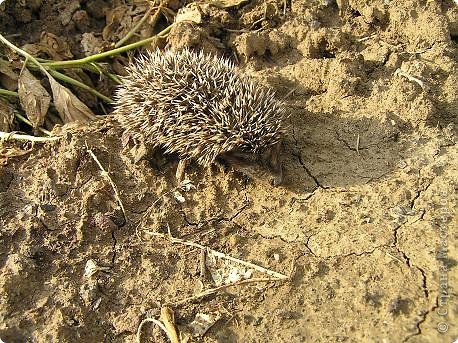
{"x": 70, "y": 108}
{"x": 211, "y": 291}
{"x": 167, "y": 318}
{"x": 34, "y": 98}
{"x": 107, "y": 176}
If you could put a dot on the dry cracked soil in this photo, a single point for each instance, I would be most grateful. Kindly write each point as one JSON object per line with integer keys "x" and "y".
{"x": 364, "y": 226}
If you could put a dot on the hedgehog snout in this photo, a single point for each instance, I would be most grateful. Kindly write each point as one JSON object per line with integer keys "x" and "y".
{"x": 264, "y": 166}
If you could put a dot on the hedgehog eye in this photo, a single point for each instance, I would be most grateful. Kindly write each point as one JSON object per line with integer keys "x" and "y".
{"x": 245, "y": 148}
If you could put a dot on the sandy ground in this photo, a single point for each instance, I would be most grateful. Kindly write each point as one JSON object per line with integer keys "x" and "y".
{"x": 364, "y": 226}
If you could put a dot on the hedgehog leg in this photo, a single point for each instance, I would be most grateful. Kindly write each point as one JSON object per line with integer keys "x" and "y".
{"x": 180, "y": 173}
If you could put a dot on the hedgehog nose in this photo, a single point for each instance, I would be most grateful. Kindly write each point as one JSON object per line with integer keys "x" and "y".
{"x": 277, "y": 180}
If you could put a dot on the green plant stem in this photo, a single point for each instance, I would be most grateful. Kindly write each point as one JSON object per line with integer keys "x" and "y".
{"x": 109, "y": 53}
{"x": 77, "y": 83}
{"x": 138, "y": 25}
{"x": 25, "y": 120}
{"x": 95, "y": 68}
{"x": 23, "y": 53}
{"x": 8, "y": 93}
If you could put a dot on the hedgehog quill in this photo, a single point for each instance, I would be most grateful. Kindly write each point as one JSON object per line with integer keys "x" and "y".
{"x": 204, "y": 109}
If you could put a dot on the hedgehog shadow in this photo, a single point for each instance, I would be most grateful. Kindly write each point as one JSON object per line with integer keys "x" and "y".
{"x": 320, "y": 150}
{"x": 326, "y": 150}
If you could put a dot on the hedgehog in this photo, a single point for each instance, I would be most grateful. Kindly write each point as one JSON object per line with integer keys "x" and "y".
{"x": 202, "y": 108}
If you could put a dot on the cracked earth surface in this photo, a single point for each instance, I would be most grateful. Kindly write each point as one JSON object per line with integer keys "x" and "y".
{"x": 365, "y": 223}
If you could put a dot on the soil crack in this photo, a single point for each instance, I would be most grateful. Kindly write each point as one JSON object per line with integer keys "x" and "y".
{"x": 299, "y": 158}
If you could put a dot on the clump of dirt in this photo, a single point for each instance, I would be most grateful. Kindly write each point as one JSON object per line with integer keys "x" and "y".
{"x": 363, "y": 226}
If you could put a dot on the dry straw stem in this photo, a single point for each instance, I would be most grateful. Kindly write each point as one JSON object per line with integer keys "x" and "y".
{"x": 168, "y": 319}
{"x": 211, "y": 291}
{"x": 394, "y": 258}
{"x": 107, "y": 176}
{"x": 14, "y": 136}
{"x": 357, "y": 143}
{"x": 167, "y": 325}
{"x": 146, "y": 320}
{"x": 169, "y": 236}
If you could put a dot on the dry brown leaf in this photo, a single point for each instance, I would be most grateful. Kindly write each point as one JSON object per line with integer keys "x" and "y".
{"x": 8, "y": 78}
{"x": 70, "y": 108}
{"x": 226, "y": 3}
{"x": 57, "y": 44}
{"x": 91, "y": 44}
{"x": 6, "y": 116}
{"x": 85, "y": 96}
{"x": 6, "y": 69}
{"x": 33, "y": 97}
{"x": 119, "y": 21}
{"x": 51, "y": 45}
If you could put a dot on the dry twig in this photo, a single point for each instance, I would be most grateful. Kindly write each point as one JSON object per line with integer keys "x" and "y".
{"x": 107, "y": 176}
{"x": 357, "y": 144}
{"x": 219, "y": 254}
